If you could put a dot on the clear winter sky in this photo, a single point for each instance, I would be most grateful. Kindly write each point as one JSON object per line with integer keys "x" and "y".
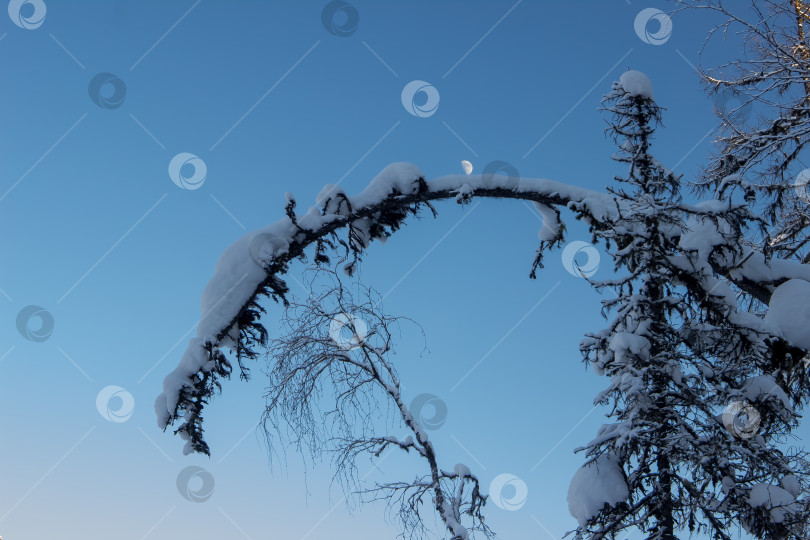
{"x": 94, "y": 231}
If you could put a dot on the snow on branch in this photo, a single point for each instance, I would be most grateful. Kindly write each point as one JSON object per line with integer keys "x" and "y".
{"x": 253, "y": 266}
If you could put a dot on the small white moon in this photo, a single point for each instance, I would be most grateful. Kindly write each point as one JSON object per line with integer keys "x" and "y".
{"x": 467, "y": 166}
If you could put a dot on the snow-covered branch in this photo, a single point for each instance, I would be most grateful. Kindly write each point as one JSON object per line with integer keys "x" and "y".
{"x": 253, "y": 266}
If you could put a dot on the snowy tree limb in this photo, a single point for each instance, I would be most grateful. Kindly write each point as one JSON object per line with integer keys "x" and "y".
{"x": 252, "y": 267}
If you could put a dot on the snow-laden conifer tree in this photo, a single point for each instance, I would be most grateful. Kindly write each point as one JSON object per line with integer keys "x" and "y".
{"x": 677, "y": 352}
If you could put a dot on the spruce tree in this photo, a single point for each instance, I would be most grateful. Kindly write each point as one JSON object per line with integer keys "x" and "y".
{"x": 677, "y": 352}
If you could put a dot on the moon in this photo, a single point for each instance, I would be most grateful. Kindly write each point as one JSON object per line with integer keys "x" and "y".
{"x": 467, "y": 166}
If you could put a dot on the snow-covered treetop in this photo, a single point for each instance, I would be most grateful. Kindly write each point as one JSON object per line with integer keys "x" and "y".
{"x": 636, "y": 84}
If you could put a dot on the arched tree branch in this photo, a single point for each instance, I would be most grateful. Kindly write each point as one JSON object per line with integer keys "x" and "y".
{"x": 252, "y": 267}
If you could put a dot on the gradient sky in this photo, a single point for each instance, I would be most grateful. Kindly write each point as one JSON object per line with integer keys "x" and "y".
{"x": 95, "y": 232}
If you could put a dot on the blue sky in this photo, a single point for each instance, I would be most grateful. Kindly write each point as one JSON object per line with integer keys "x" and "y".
{"x": 95, "y": 232}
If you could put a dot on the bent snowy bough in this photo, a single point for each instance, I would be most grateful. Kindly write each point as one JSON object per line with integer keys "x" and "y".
{"x": 252, "y": 266}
